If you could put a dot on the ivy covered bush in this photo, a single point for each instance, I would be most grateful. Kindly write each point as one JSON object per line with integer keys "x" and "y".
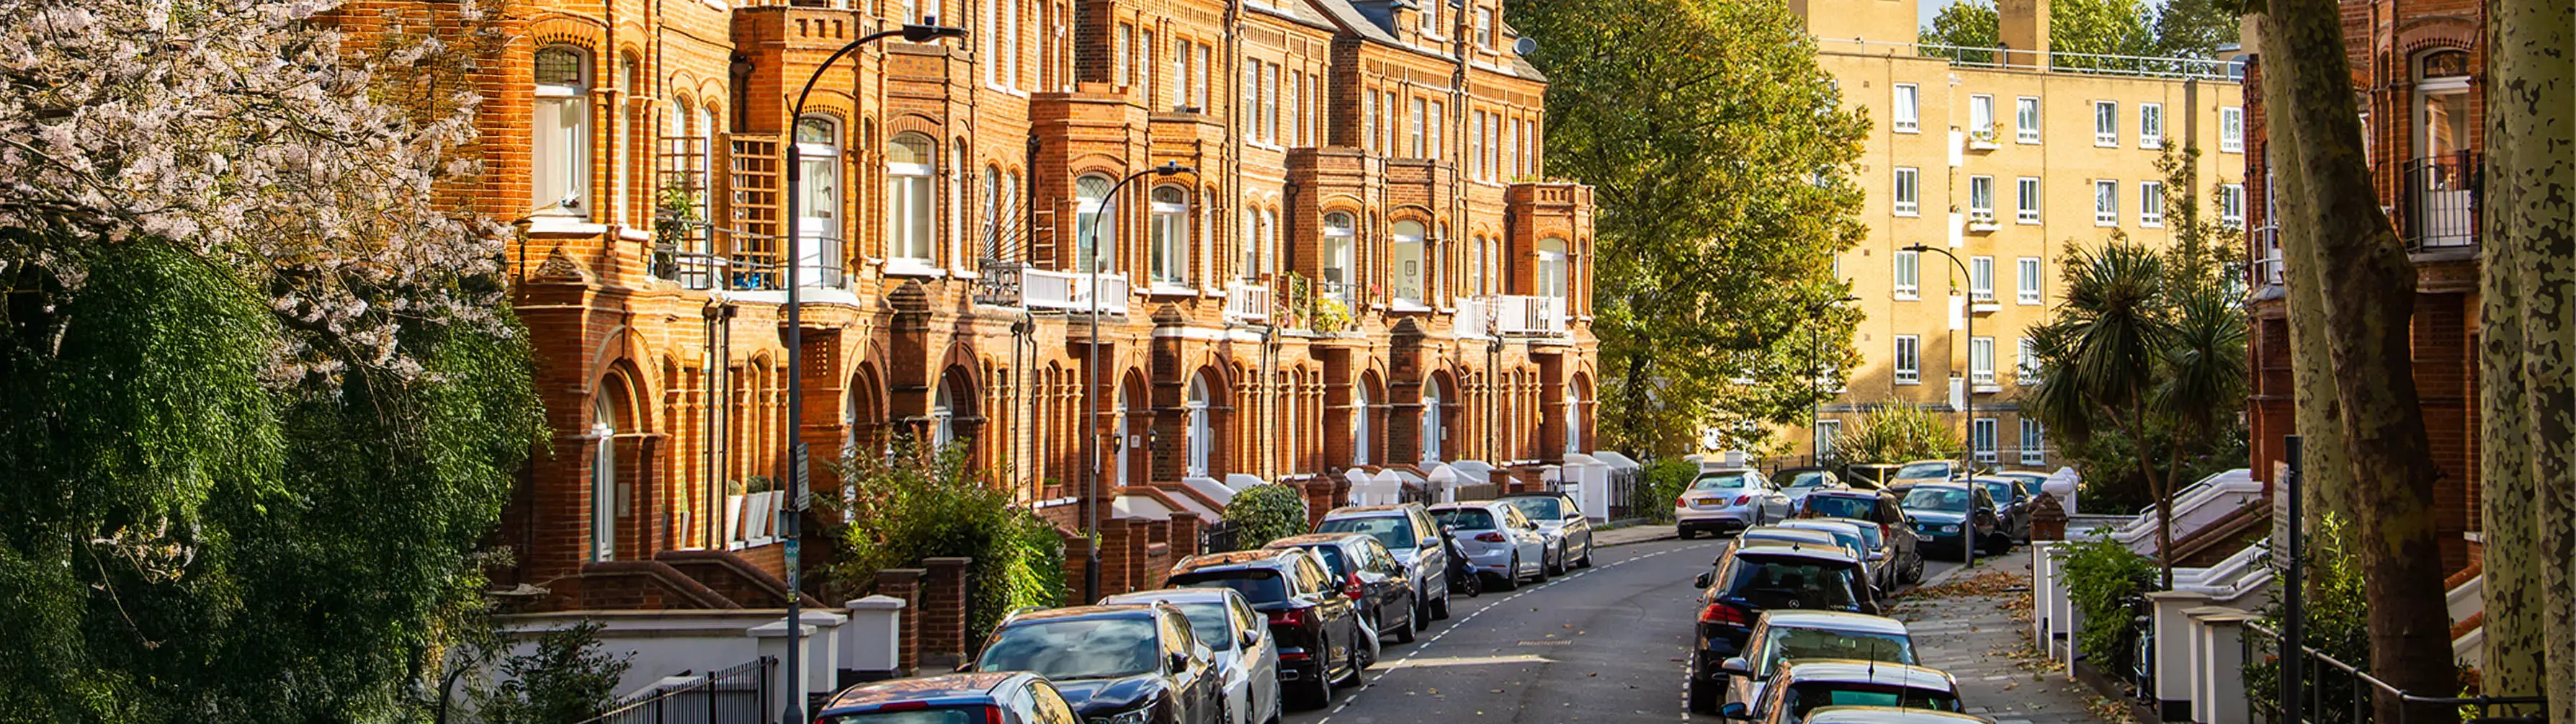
{"x": 2108, "y": 585}
{"x": 916, "y": 505}
{"x": 2336, "y": 623}
{"x": 1265, "y": 513}
{"x": 1664, "y": 481}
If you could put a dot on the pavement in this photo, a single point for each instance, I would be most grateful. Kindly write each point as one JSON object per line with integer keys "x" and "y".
{"x": 1633, "y": 534}
{"x": 1975, "y": 624}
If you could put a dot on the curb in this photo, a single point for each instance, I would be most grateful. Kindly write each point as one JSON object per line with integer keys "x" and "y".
{"x": 1665, "y": 535}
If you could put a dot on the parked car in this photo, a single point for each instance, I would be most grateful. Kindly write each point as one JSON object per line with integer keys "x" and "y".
{"x": 1781, "y": 637}
{"x": 1896, "y": 542}
{"x": 1114, "y": 664}
{"x": 1386, "y": 594}
{"x": 2012, "y": 506}
{"x": 1753, "y": 579}
{"x": 1950, "y": 516}
{"x": 1810, "y": 685}
{"x": 1312, "y": 616}
{"x": 1727, "y": 501}
{"x": 1856, "y": 536}
{"x": 1247, "y": 659}
{"x": 1776, "y": 535}
{"x": 1889, "y": 715}
{"x": 1007, "y": 697}
{"x": 1500, "y": 543}
{"x": 1407, "y": 531}
{"x": 1562, "y": 522}
{"x": 1922, "y": 471}
{"x": 1798, "y": 482}
{"x": 1870, "y": 476}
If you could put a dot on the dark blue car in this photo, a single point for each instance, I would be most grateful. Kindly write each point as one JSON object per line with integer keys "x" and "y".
{"x": 1949, "y": 516}
{"x": 1121, "y": 664}
{"x": 1760, "y": 576}
{"x": 989, "y": 698}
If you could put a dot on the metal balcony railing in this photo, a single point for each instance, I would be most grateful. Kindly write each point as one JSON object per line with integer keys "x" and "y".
{"x": 2438, "y": 207}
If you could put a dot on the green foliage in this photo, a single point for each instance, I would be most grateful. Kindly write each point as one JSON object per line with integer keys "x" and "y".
{"x": 1264, "y": 513}
{"x": 1664, "y": 481}
{"x": 1965, "y": 25}
{"x": 2098, "y": 27}
{"x": 2337, "y": 623}
{"x": 1895, "y": 432}
{"x": 565, "y": 679}
{"x": 184, "y": 536}
{"x": 2180, "y": 29}
{"x": 1722, "y": 163}
{"x": 915, "y": 505}
{"x": 2108, "y": 461}
{"x": 2108, "y": 584}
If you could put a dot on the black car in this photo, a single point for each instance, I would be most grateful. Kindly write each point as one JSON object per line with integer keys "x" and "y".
{"x": 1114, "y": 664}
{"x": 1899, "y": 547}
{"x": 1759, "y": 577}
{"x": 1313, "y": 616}
{"x": 997, "y": 698}
{"x": 1386, "y": 593}
{"x": 1951, "y": 515}
{"x": 2012, "y": 506}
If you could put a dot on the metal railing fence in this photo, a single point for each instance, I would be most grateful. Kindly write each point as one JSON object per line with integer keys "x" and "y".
{"x": 736, "y": 695}
{"x": 2335, "y": 692}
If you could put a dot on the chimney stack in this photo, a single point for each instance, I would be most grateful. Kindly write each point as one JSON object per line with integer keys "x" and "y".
{"x": 2022, "y": 27}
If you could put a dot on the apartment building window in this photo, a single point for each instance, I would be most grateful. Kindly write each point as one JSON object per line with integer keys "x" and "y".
{"x": 2026, "y": 119}
{"x": 2231, "y": 203}
{"x": 2151, "y": 125}
{"x": 1251, "y": 120}
{"x": 1983, "y": 430}
{"x": 1553, "y": 265}
{"x": 2026, "y": 280}
{"x": 1908, "y": 274}
{"x": 2106, "y": 124}
{"x": 1338, "y": 234}
{"x": 1909, "y": 359}
{"x": 1981, "y": 361}
{"x": 1909, "y": 113}
{"x": 1368, "y": 120}
{"x": 1439, "y": 120}
{"x": 1485, "y": 28}
{"x": 1405, "y": 254}
{"x": 1476, "y": 267}
{"x": 1126, "y": 54}
{"x": 1169, "y": 240}
{"x": 2026, "y": 362}
{"x": 1204, "y": 68}
{"x": 1202, "y": 429}
{"x": 817, "y": 213}
{"x": 2026, "y": 199}
{"x": 1828, "y": 432}
{"x": 2231, "y": 129}
{"x": 1270, "y": 102}
{"x": 1981, "y": 117}
{"x": 1096, "y": 242}
{"x": 1476, "y": 146}
{"x": 1908, "y": 191}
{"x": 995, "y": 191}
{"x": 1981, "y": 278}
{"x": 1150, "y": 61}
{"x": 1431, "y": 18}
{"x": 1981, "y": 198}
{"x": 911, "y": 160}
{"x": 2151, "y": 203}
{"x": 559, "y": 152}
{"x": 1420, "y": 119}
{"x": 2106, "y": 203}
{"x": 2034, "y": 443}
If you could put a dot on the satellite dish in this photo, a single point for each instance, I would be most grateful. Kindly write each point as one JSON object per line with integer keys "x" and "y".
{"x": 1525, "y": 46}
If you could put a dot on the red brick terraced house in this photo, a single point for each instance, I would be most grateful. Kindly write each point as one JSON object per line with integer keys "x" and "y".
{"x": 2417, "y": 74}
{"x": 1367, "y": 268}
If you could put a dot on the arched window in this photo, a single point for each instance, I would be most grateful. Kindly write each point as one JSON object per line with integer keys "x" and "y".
{"x": 819, "y": 207}
{"x": 1551, "y": 278}
{"x": 961, "y": 251}
{"x": 1202, "y": 430}
{"x": 1573, "y": 419}
{"x": 1359, "y": 425}
{"x": 1406, "y": 255}
{"x": 996, "y": 191}
{"x": 603, "y": 473}
{"x": 559, "y": 151}
{"x": 1251, "y": 234}
{"x": 1476, "y": 267}
{"x": 943, "y": 418}
{"x": 1431, "y": 428}
{"x": 911, "y": 160}
{"x": 1339, "y": 233}
{"x": 1118, "y": 435}
{"x": 1171, "y": 235}
{"x": 1268, "y": 255}
{"x": 1097, "y": 241}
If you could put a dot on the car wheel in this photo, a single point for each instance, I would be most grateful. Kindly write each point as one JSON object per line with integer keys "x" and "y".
{"x": 1561, "y": 564}
{"x": 1412, "y": 622}
{"x": 1511, "y": 578}
{"x": 1685, "y": 533}
{"x": 1586, "y": 560}
{"x": 1440, "y": 607}
{"x": 1317, "y": 692}
{"x": 1705, "y": 695}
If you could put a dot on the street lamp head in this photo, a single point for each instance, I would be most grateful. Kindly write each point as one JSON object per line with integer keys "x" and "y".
{"x": 919, "y": 33}
{"x": 1172, "y": 168}
{"x": 1916, "y": 248}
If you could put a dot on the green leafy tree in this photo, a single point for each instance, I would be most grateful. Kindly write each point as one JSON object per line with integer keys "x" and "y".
{"x": 2195, "y": 28}
{"x": 913, "y": 505}
{"x": 2098, "y": 27}
{"x": 565, "y": 678}
{"x": 2179, "y": 29}
{"x": 2106, "y": 584}
{"x": 1722, "y": 162}
{"x": 1968, "y": 26}
{"x": 1264, "y": 513}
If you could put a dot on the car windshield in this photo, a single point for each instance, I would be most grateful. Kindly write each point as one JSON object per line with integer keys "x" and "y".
{"x": 1394, "y": 531}
{"x": 1786, "y": 644}
{"x": 1719, "y": 481}
{"x": 1809, "y": 696}
{"x": 1917, "y": 471}
{"x": 953, "y": 715}
{"x": 1808, "y": 479}
{"x": 1836, "y": 506}
{"x": 2001, "y": 490}
{"x": 1208, "y": 624}
{"x": 1258, "y": 585}
{"x": 1771, "y": 582}
{"x": 1542, "y": 508}
{"x": 1465, "y": 518}
{"x": 1952, "y": 500}
{"x": 1091, "y": 648}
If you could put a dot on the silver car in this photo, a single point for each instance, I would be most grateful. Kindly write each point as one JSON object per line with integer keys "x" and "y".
{"x": 1247, "y": 658}
{"x": 1728, "y": 500}
{"x": 1408, "y": 532}
{"x": 1781, "y": 636}
{"x": 1859, "y": 541}
{"x": 1499, "y": 542}
{"x": 1564, "y": 525}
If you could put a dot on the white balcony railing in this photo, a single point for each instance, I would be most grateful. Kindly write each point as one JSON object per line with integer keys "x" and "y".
{"x": 1475, "y": 318}
{"x": 1071, "y": 291}
{"x": 1514, "y": 314}
{"x": 1247, "y": 301}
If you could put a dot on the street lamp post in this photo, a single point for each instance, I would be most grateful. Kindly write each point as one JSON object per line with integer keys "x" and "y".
{"x": 1091, "y": 377}
{"x": 1968, "y": 523}
{"x": 791, "y": 518}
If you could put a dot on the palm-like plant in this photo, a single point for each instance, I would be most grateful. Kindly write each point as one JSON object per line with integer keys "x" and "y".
{"x": 2134, "y": 344}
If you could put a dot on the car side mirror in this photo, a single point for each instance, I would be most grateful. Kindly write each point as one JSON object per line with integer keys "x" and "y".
{"x": 1249, "y": 637}
{"x": 1180, "y": 662}
{"x": 1429, "y": 543}
{"x": 1701, "y": 580}
{"x": 1737, "y": 666}
{"x": 1573, "y": 516}
{"x": 1736, "y": 711}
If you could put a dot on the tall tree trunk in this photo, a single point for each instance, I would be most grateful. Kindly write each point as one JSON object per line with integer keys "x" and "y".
{"x": 2516, "y": 634}
{"x": 1635, "y": 395}
{"x": 2530, "y": 204}
{"x": 2369, "y": 296}
{"x": 2316, "y": 416}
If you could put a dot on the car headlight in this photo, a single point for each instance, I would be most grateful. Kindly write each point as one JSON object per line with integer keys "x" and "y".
{"x": 1134, "y": 716}
{"x": 1949, "y": 529}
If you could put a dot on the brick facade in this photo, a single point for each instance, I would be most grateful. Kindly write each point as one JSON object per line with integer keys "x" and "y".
{"x": 2415, "y": 63}
{"x": 942, "y": 275}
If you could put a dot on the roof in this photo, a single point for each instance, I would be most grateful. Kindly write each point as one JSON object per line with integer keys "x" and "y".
{"x": 1774, "y": 532}
{"x": 1365, "y": 510}
{"x": 1309, "y": 539}
{"x": 1468, "y": 505}
{"x": 949, "y": 689}
{"x": 1536, "y": 494}
{"x": 1172, "y": 595}
{"x": 1077, "y": 612}
{"x": 1888, "y": 715}
{"x": 1842, "y": 524}
{"x": 1350, "y": 18}
{"x": 1871, "y": 672}
{"x": 1835, "y": 620}
{"x": 1848, "y": 493}
{"x": 1773, "y": 548}
{"x": 1205, "y": 561}
{"x": 1936, "y": 484}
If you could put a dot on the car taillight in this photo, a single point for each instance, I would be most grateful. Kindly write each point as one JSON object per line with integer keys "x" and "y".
{"x": 1742, "y": 499}
{"x": 1351, "y": 587}
{"x": 1489, "y": 537}
{"x": 1885, "y": 532}
{"x": 1293, "y": 617}
{"x": 1681, "y": 501}
{"x": 1722, "y": 613}
{"x": 992, "y": 715}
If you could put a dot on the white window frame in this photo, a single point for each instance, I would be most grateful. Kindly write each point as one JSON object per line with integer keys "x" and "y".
{"x": 1828, "y": 432}
{"x": 1090, "y": 212}
{"x": 1909, "y": 359}
{"x": 2034, "y": 442}
{"x": 1202, "y": 429}
{"x": 1414, "y": 286}
{"x": 912, "y": 202}
{"x": 2026, "y": 362}
{"x": 2027, "y": 195}
{"x": 2027, "y": 119}
{"x": 1981, "y": 438}
{"x": 2231, "y": 203}
{"x": 1981, "y": 279}
{"x": 2151, "y": 126}
{"x": 1908, "y": 192}
{"x": 1906, "y": 108}
{"x": 2151, "y": 204}
{"x": 1981, "y": 361}
{"x": 1981, "y": 117}
{"x": 1981, "y": 199}
{"x": 2106, "y": 124}
{"x": 1909, "y": 274}
{"x": 560, "y": 140}
{"x": 2231, "y": 129}
{"x": 2029, "y": 273}
{"x": 1169, "y": 236}
{"x": 2106, "y": 202}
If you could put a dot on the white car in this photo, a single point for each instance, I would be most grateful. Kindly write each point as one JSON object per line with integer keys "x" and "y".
{"x": 1246, "y": 656}
{"x": 1727, "y": 501}
{"x": 1499, "y": 541}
